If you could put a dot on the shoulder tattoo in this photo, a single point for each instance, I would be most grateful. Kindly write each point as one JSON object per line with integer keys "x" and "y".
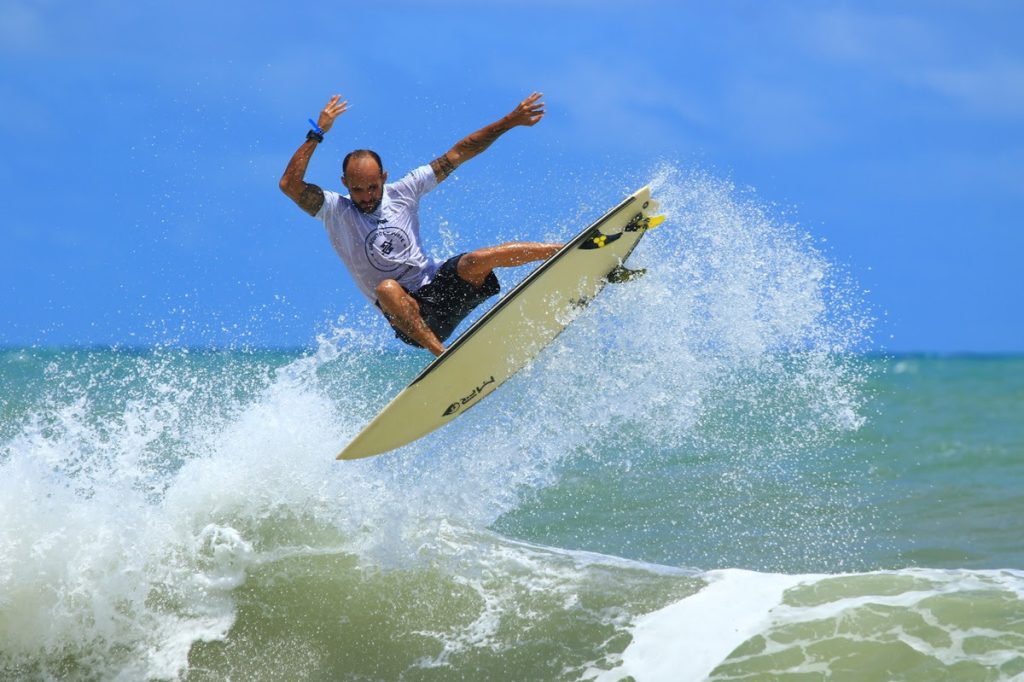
{"x": 311, "y": 199}
{"x": 443, "y": 167}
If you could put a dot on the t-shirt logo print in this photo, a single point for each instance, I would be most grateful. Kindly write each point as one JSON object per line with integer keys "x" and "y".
{"x": 386, "y": 248}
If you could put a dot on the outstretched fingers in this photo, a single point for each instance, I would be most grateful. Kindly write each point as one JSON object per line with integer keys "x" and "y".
{"x": 530, "y": 110}
{"x": 334, "y": 108}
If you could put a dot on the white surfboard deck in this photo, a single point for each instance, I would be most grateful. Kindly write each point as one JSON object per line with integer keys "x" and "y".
{"x": 504, "y": 340}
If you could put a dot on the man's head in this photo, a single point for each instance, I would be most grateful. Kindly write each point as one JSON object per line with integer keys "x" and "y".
{"x": 364, "y": 176}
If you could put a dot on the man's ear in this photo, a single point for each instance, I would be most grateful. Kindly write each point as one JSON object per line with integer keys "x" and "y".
{"x": 344, "y": 181}
{"x": 383, "y": 177}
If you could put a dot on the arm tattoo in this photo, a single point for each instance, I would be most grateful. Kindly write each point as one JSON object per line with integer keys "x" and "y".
{"x": 443, "y": 167}
{"x": 468, "y": 147}
{"x": 311, "y": 199}
{"x": 474, "y": 144}
{"x": 479, "y": 141}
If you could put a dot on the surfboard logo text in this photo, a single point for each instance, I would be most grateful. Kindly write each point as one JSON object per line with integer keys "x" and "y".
{"x": 457, "y": 405}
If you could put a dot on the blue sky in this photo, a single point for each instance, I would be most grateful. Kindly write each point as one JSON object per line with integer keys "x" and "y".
{"x": 142, "y": 144}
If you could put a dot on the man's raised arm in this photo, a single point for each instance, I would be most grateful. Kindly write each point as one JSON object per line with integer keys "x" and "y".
{"x": 308, "y": 196}
{"x": 527, "y": 113}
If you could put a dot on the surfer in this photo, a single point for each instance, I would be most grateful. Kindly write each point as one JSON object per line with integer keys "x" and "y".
{"x": 376, "y": 232}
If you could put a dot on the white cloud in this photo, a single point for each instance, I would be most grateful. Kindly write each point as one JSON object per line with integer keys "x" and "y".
{"x": 948, "y": 57}
{"x": 624, "y": 104}
{"x": 845, "y": 35}
{"x": 654, "y": 103}
{"x": 531, "y": 4}
{"x": 993, "y": 89}
{"x": 777, "y": 116}
{"x": 22, "y": 28}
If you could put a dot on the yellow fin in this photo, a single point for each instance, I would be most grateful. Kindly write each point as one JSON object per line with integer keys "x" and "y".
{"x": 654, "y": 221}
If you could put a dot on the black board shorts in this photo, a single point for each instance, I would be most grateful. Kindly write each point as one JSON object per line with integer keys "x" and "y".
{"x": 448, "y": 299}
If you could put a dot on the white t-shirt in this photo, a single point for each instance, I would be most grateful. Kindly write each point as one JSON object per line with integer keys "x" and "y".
{"x": 384, "y": 244}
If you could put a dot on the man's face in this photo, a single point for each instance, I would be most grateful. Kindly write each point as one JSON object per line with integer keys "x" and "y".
{"x": 365, "y": 180}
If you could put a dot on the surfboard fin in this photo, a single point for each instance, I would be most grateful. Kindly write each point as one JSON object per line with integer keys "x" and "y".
{"x": 623, "y": 274}
{"x": 639, "y": 222}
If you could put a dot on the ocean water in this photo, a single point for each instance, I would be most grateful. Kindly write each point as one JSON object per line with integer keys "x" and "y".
{"x": 705, "y": 477}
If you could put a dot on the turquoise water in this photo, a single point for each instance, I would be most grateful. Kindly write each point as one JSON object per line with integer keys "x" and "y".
{"x": 704, "y": 478}
{"x": 933, "y": 477}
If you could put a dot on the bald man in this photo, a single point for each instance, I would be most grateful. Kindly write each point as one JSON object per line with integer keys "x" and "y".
{"x": 376, "y": 231}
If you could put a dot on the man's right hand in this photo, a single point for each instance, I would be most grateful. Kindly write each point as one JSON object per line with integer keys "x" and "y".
{"x": 308, "y": 196}
{"x": 334, "y": 108}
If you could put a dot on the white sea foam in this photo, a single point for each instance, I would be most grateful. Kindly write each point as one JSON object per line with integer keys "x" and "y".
{"x": 134, "y": 499}
{"x": 687, "y": 640}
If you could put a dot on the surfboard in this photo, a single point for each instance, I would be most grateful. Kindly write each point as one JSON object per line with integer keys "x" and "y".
{"x": 509, "y": 335}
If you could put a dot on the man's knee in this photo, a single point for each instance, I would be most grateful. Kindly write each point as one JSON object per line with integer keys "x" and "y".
{"x": 389, "y": 288}
{"x": 472, "y": 260}
{"x": 475, "y": 266}
{"x": 391, "y": 294}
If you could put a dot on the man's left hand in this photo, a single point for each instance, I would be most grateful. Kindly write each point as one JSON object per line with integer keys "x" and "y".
{"x": 529, "y": 112}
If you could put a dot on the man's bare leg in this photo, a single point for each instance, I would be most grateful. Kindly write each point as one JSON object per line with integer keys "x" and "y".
{"x": 475, "y": 266}
{"x": 404, "y": 312}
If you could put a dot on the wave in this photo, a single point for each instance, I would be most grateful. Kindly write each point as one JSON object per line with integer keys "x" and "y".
{"x": 179, "y": 514}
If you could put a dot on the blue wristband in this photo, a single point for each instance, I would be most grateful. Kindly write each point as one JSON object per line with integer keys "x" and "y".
{"x": 316, "y": 128}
